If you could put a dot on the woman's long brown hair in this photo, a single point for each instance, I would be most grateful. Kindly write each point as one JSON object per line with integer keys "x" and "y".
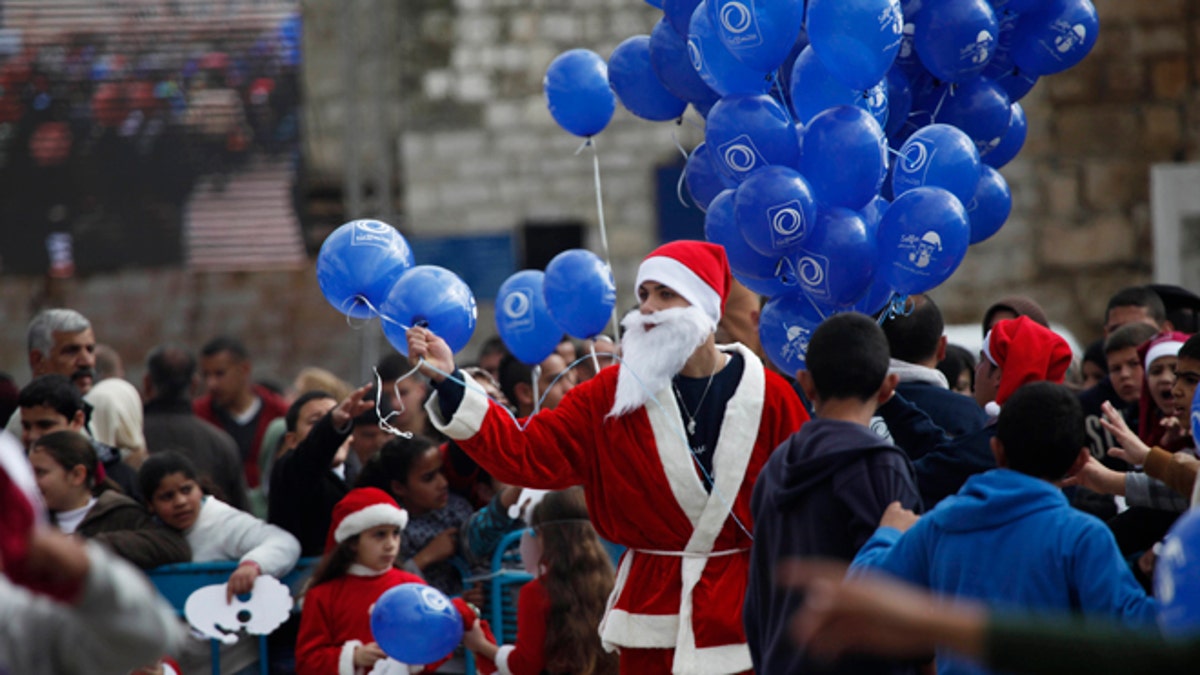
{"x": 578, "y": 578}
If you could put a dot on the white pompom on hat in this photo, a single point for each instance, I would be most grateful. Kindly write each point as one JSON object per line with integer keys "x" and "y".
{"x": 360, "y": 510}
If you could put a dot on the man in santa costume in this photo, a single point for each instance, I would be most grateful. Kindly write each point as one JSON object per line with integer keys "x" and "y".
{"x": 667, "y": 446}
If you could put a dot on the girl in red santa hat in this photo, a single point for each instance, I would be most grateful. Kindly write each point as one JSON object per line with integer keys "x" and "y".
{"x": 359, "y": 565}
{"x": 558, "y": 612}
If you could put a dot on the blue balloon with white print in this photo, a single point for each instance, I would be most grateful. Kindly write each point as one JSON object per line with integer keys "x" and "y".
{"x": 580, "y": 292}
{"x": 431, "y": 296}
{"x": 523, "y": 321}
{"x": 844, "y": 157}
{"x": 775, "y": 210}
{"x": 856, "y": 39}
{"x": 836, "y": 265}
{"x": 749, "y": 132}
{"x": 358, "y": 264}
{"x": 1176, "y": 584}
{"x": 759, "y": 33}
{"x": 955, "y": 39}
{"x": 720, "y": 69}
{"x": 938, "y": 155}
{"x": 785, "y": 327}
{"x": 922, "y": 239}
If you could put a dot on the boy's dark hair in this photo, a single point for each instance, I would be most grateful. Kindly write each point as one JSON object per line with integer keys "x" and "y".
{"x": 914, "y": 337}
{"x": 1041, "y": 428}
{"x": 1138, "y": 296}
{"x": 170, "y": 369}
{"x": 1191, "y": 348}
{"x": 1129, "y": 335}
{"x": 512, "y": 373}
{"x": 848, "y": 357}
{"x": 225, "y": 343}
{"x": 383, "y": 408}
{"x": 1095, "y": 354}
{"x": 958, "y": 359}
{"x": 392, "y": 366}
{"x": 52, "y": 391}
{"x": 160, "y": 465}
{"x": 293, "y": 412}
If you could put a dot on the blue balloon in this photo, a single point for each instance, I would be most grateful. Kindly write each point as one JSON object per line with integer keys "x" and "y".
{"x": 922, "y": 240}
{"x": 775, "y": 210}
{"x": 522, "y": 319}
{"x": 416, "y": 624}
{"x": 671, "y": 62}
{"x": 577, "y": 92}
{"x": 769, "y": 287}
{"x": 717, "y": 67}
{"x": 1001, "y": 61}
{"x": 637, "y": 86}
{"x": 955, "y": 38}
{"x": 759, "y": 33}
{"x": 1055, "y": 37}
{"x": 721, "y": 227}
{"x": 1176, "y": 584}
{"x": 745, "y": 133}
{"x": 873, "y": 212}
{"x": 434, "y": 296}
{"x": 979, "y": 108}
{"x": 703, "y": 179}
{"x": 844, "y": 157}
{"x": 815, "y": 89}
{"x": 938, "y": 155}
{"x": 929, "y": 93}
{"x": 785, "y": 327}
{"x": 655, "y": 3}
{"x": 900, "y": 100}
{"x": 990, "y": 206}
{"x": 678, "y": 13}
{"x": 857, "y": 40}
{"x": 1011, "y": 143}
{"x": 580, "y": 292}
{"x": 1017, "y": 6}
{"x": 360, "y": 261}
{"x": 1016, "y": 83}
{"x": 878, "y": 296}
{"x": 836, "y": 265}
{"x": 907, "y": 59}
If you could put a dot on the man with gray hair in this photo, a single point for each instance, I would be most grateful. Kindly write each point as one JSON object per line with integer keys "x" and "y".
{"x": 60, "y": 342}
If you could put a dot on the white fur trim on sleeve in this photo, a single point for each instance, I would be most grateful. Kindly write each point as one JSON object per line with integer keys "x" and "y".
{"x": 501, "y": 659}
{"x": 372, "y": 516}
{"x": 346, "y": 658}
{"x": 467, "y": 420}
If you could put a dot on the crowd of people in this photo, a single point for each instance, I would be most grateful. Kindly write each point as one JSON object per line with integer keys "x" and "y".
{"x": 1030, "y": 481}
{"x": 133, "y": 122}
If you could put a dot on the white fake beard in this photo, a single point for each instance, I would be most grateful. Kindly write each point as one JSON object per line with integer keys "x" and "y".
{"x": 650, "y": 358}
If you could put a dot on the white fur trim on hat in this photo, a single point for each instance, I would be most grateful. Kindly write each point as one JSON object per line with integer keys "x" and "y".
{"x": 681, "y": 279}
{"x": 987, "y": 349}
{"x": 373, "y": 516}
{"x": 1156, "y": 352}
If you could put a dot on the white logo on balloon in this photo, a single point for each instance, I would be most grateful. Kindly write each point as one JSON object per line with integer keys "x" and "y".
{"x": 796, "y": 347}
{"x": 915, "y": 157}
{"x": 736, "y": 17}
{"x": 434, "y": 599}
{"x": 980, "y": 51}
{"x": 517, "y": 304}
{"x": 694, "y": 54}
{"x": 740, "y": 154}
{"x": 922, "y": 253}
{"x": 811, "y": 271}
{"x": 1069, "y": 37}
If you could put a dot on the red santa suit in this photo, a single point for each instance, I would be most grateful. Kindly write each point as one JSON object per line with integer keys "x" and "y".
{"x": 682, "y": 582}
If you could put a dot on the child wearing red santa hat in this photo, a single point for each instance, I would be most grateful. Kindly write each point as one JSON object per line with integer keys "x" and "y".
{"x": 359, "y": 565}
{"x": 1017, "y": 351}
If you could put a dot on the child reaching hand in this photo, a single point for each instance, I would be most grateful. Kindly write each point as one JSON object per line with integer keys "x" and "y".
{"x": 359, "y": 565}
{"x": 559, "y": 612}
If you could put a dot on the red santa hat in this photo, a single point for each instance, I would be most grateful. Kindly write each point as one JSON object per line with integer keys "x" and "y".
{"x": 360, "y": 510}
{"x": 696, "y": 270}
{"x": 1025, "y": 351}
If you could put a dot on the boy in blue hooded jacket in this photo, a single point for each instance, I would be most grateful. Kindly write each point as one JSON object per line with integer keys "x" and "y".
{"x": 823, "y": 490}
{"x": 1009, "y": 537}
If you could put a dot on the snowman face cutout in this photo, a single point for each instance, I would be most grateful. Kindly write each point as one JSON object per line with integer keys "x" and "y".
{"x": 266, "y": 609}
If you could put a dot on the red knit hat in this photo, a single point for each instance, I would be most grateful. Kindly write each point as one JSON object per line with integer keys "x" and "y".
{"x": 696, "y": 270}
{"x": 1025, "y": 351}
{"x": 360, "y": 510}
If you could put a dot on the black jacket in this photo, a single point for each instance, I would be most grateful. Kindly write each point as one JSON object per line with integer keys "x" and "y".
{"x": 957, "y": 414}
{"x": 821, "y": 493}
{"x": 304, "y": 490}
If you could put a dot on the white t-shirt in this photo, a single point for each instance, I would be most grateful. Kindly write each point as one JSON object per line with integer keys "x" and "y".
{"x": 68, "y": 521}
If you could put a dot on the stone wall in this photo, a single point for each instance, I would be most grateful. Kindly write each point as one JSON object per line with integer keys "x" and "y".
{"x": 477, "y": 152}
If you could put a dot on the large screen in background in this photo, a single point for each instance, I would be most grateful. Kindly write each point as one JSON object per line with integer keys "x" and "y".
{"x": 148, "y": 133}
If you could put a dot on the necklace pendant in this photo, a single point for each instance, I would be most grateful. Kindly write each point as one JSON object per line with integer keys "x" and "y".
{"x": 691, "y": 427}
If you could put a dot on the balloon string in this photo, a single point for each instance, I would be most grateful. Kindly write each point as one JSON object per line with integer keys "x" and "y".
{"x": 537, "y": 400}
{"x": 897, "y": 306}
{"x": 678, "y": 428}
{"x": 359, "y": 299}
{"x": 383, "y": 419}
{"x": 682, "y": 174}
{"x": 603, "y": 228}
{"x": 814, "y": 306}
{"x": 949, "y": 92}
{"x": 595, "y": 359}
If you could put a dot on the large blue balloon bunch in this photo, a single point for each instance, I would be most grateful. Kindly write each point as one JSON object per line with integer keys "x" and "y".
{"x": 852, "y": 147}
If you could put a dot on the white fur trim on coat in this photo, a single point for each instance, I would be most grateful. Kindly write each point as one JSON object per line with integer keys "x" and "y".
{"x": 346, "y": 658}
{"x": 501, "y": 659}
{"x": 467, "y": 420}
